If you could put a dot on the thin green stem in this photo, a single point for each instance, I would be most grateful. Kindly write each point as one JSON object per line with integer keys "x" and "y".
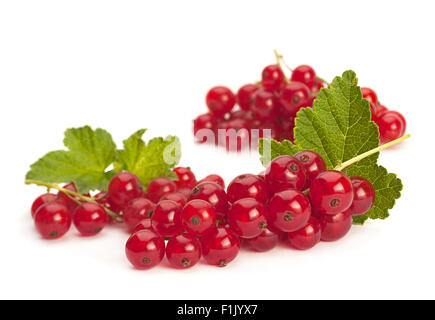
{"x": 279, "y": 59}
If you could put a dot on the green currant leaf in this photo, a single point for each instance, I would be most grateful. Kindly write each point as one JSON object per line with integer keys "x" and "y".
{"x": 276, "y": 149}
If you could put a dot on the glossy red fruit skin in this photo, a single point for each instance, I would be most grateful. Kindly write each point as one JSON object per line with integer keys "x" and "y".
{"x": 380, "y": 109}
{"x": 306, "y": 237}
{"x": 272, "y": 78}
{"x": 177, "y": 197}
{"x": 124, "y": 187}
{"x": 247, "y": 218}
{"x": 373, "y": 111}
{"x": 52, "y": 220}
{"x": 104, "y": 200}
{"x": 248, "y": 186}
{"x": 331, "y": 192}
{"x": 220, "y": 246}
{"x": 214, "y": 178}
{"x": 285, "y": 172}
{"x": 245, "y": 94}
{"x": 304, "y": 74}
{"x": 363, "y": 196}
{"x": 145, "y": 249}
{"x": 186, "y": 178}
{"x": 392, "y": 125}
{"x": 41, "y": 200}
{"x": 89, "y": 218}
{"x": 265, "y": 106}
{"x": 370, "y": 95}
{"x": 266, "y": 241}
{"x": 334, "y": 227}
{"x": 203, "y": 121}
{"x": 70, "y": 204}
{"x": 144, "y": 224}
{"x": 166, "y": 220}
{"x": 183, "y": 251}
{"x": 213, "y": 194}
{"x": 137, "y": 210}
{"x": 289, "y": 210}
{"x": 198, "y": 217}
{"x": 313, "y": 164}
{"x": 294, "y": 96}
{"x": 220, "y": 100}
{"x": 317, "y": 85}
{"x": 234, "y": 134}
{"x": 158, "y": 187}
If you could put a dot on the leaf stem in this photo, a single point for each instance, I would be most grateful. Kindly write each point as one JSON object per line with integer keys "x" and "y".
{"x": 369, "y": 153}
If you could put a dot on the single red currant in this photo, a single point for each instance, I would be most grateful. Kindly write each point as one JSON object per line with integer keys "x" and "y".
{"x": 313, "y": 164}
{"x": 144, "y": 224}
{"x": 183, "y": 251}
{"x": 304, "y": 74}
{"x": 234, "y": 134}
{"x": 336, "y": 226}
{"x": 213, "y": 194}
{"x": 220, "y": 100}
{"x": 137, "y": 210}
{"x": 204, "y": 121}
{"x": 89, "y": 218}
{"x": 265, "y": 106}
{"x": 184, "y": 191}
{"x": 214, "y": 178}
{"x": 245, "y": 94}
{"x": 373, "y": 111}
{"x": 380, "y": 109}
{"x": 289, "y": 210}
{"x": 198, "y": 217}
{"x": 272, "y": 78}
{"x": 124, "y": 187}
{"x": 158, "y": 187}
{"x": 41, "y": 200}
{"x": 145, "y": 249}
{"x": 370, "y": 95}
{"x": 285, "y": 172}
{"x": 392, "y": 125}
{"x": 52, "y": 220}
{"x": 248, "y": 186}
{"x": 166, "y": 220}
{"x": 306, "y": 237}
{"x": 317, "y": 85}
{"x": 363, "y": 196}
{"x": 331, "y": 192}
{"x": 247, "y": 218}
{"x": 186, "y": 178}
{"x": 266, "y": 241}
{"x": 220, "y": 246}
{"x": 103, "y": 199}
{"x": 68, "y": 200}
{"x": 177, "y": 197}
{"x": 294, "y": 96}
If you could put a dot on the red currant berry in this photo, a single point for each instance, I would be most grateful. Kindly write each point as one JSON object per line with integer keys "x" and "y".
{"x": 144, "y": 224}
{"x": 248, "y": 186}
{"x": 266, "y": 241}
{"x": 220, "y": 246}
{"x": 214, "y": 178}
{"x": 41, "y": 200}
{"x": 220, "y": 100}
{"x": 380, "y": 109}
{"x": 331, "y": 192}
{"x": 158, "y": 187}
{"x": 272, "y": 78}
{"x": 184, "y": 191}
{"x": 306, "y": 237}
{"x": 317, "y": 85}
{"x": 183, "y": 251}
{"x": 285, "y": 172}
{"x": 68, "y": 200}
{"x": 313, "y": 164}
{"x": 370, "y": 95}
{"x": 177, "y": 197}
{"x": 186, "y": 178}
{"x": 289, "y": 210}
{"x": 234, "y": 134}
{"x": 137, "y": 210}
{"x": 363, "y": 196}
{"x": 145, "y": 249}
{"x": 304, "y": 74}
{"x": 103, "y": 199}
{"x": 294, "y": 96}
{"x": 247, "y": 218}
{"x": 245, "y": 94}
{"x": 52, "y": 220}
{"x": 265, "y": 106}
{"x": 89, "y": 218}
{"x": 124, "y": 187}
{"x": 392, "y": 125}
{"x": 213, "y": 194}
{"x": 204, "y": 121}
{"x": 373, "y": 111}
{"x": 198, "y": 217}
{"x": 166, "y": 219}
{"x": 336, "y": 226}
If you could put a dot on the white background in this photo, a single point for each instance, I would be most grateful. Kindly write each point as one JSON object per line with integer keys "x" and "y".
{"x": 125, "y": 65}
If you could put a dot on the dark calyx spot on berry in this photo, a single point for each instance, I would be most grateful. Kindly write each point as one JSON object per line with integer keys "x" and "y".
{"x": 185, "y": 262}
{"x": 262, "y": 225}
{"x": 150, "y": 213}
{"x": 146, "y": 260}
{"x": 335, "y": 202}
{"x": 265, "y": 74}
{"x": 213, "y": 106}
{"x": 96, "y": 230}
{"x": 195, "y": 220}
{"x": 251, "y": 102}
{"x": 288, "y": 216}
{"x": 242, "y": 176}
{"x": 223, "y": 263}
{"x": 54, "y": 234}
{"x": 304, "y": 158}
{"x": 296, "y": 100}
{"x": 293, "y": 167}
{"x": 196, "y": 190}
